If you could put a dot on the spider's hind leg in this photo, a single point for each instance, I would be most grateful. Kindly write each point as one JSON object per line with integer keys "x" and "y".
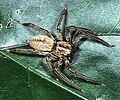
{"x": 22, "y": 49}
{"x": 37, "y": 28}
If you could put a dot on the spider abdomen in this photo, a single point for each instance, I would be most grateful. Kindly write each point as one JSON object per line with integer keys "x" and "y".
{"x": 41, "y": 43}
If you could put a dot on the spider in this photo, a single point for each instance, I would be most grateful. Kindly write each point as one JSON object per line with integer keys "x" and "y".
{"x": 59, "y": 51}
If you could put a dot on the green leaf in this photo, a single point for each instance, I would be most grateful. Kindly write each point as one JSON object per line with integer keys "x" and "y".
{"x": 96, "y": 61}
{"x": 14, "y": 84}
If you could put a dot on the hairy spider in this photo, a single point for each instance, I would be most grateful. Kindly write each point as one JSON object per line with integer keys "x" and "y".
{"x": 59, "y": 52}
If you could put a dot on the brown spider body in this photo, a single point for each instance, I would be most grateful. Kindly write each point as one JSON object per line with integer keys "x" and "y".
{"x": 62, "y": 49}
{"x": 59, "y": 52}
{"x": 41, "y": 43}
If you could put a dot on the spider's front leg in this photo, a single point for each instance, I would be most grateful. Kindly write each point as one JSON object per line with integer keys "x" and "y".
{"x": 81, "y": 76}
{"x": 50, "y": 59}
{"x": 87, "y": 34}
{"x": 63, "y": 15}
{"x": 58, "y": 72}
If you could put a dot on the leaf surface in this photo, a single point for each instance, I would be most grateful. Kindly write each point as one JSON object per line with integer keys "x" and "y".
{"x": 98, "y": 62}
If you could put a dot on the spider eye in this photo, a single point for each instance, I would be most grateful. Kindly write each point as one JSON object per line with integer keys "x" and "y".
{"x": 60, "y": 45}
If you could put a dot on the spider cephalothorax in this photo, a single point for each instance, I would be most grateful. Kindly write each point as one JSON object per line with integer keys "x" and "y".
{"x": 62, "y": 49}
{"x": 59, "y": 52}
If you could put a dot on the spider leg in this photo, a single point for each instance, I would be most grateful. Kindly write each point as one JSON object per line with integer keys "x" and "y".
{"x": 80, "y": 75}
{"x": 49, "y": 65}
{"x": 57, "y": 71}
{"x": 13, "y": 46}
{"x": 49, "y": 57}
{"x": 61, "y": 16}
{"x": 37, "y": 28}
{"x": 23, "y": 50}
{"x": 65, "y": 79}
{"x": 27, "y": 51}
{"x": 84, "y": 77}
{"x": 70, "y": 35}
{"x": 86, "y": 33}
{"x": 95, "y": 38}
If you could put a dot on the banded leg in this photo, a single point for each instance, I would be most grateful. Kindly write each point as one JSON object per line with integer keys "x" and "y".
{"x": 62, "y": 16}
{"x": 70, "y": 32}
{"x": 13, "y": 46}
{"x": 66, "y": 80}
{"x": 37, "y": 28}
{"x": 25, "y": 51}
{"x": 86, "y": 33}
{"x": 61, "y": 76}
{"x": 80, "y": 75}
{"x": 49, "y": 59}
{"x": 94, "y": 38}
{"x": 84, "y": 77}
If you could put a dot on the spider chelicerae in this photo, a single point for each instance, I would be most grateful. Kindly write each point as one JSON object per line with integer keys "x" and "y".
{"x": 59, "y": 51}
